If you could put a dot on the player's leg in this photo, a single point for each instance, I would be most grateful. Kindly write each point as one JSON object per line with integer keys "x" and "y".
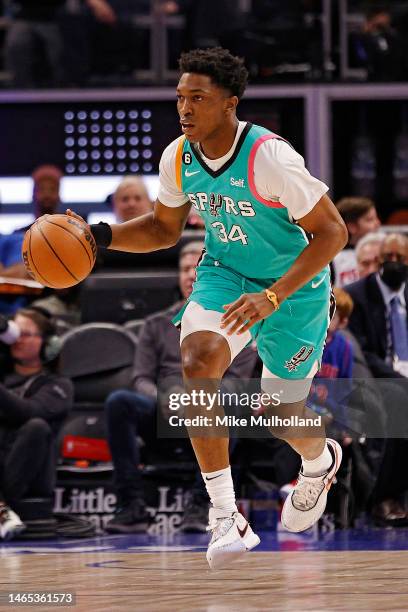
{"x": 206, "y": 354}
{"x": 321, "y": 457}
{"x": 205, "y": 358}
{"x": 290, "y": 344}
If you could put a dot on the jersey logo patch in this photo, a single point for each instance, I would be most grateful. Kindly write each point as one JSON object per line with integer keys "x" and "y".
{"x": 187, "y": 158}
{"x": 215, "y": 204}
{"x": 298, "y": 358}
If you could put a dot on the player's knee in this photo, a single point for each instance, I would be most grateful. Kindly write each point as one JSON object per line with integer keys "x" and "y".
{"x": 196, "y": 365}
{"x": 205, "y": 357}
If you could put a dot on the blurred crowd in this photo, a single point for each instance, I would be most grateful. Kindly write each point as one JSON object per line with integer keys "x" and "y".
{"x": 75, "y": 43}
{"x": 361, "y": 390}
{"x": 366, "y": 354}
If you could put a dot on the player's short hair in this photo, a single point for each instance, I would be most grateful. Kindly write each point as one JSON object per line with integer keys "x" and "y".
{"x": 223, "y": 68}
{"x": 344, "y": 303}
{"x": 191, "y": 248}
{"x": 354, "y": 207}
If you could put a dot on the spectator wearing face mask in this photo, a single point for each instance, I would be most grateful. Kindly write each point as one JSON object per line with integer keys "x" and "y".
{"x": 379, "y": 318}
{"x": 379, "y": 322}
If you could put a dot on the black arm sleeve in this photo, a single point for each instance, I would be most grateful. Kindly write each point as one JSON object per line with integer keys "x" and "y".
{"x": 52, "y": 401}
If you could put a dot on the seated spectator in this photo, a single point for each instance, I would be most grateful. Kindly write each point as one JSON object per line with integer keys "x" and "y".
{"x": 337, "y": 362}
{"x": 360, "y": 217}
{"x": 101, "y": 40}
{"x": 133, "y": 413}
{"x": 33, "y": 45}
{"x": 379, "y": 318}
{"x": 368, "y": 253}
{"x": 46, "y": 193}
{"x": 379, "y": 47}
{"x": 33, "y": 403}
{"x": 379, "y": 322}
{"x": 131, "y": 199}
{"x": 45, "y": 201}
{"x": 46, "y": 190}
{"x": 11, "y": 266}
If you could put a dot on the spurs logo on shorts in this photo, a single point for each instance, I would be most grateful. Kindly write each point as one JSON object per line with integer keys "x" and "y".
{"x": 298, "y": 358}
{"x": 215, "y": 204}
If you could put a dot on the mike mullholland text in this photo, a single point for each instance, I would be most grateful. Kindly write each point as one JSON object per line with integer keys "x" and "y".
{"x": 250, "y": 421}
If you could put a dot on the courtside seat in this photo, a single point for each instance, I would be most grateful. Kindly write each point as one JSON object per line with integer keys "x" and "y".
{"x": 99, "y": 358}
{"x": 134, "y": 326}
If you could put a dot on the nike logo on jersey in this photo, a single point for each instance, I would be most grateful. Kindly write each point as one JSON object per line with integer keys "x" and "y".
{"x": 187, "y": 173}
{"x": 316, "y": 284}
{"x": 213, "y": 478}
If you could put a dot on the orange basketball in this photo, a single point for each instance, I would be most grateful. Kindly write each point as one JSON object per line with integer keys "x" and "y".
{"x": 59, "y": 251}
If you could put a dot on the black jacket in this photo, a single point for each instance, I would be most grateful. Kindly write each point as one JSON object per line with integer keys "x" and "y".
{"x": 47, "y": 396}
{"x": 368, "y": 324}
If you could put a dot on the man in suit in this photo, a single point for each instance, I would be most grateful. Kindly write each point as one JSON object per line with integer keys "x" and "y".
{"x": 380, "y": 323}
{"x": 379, "y": 318}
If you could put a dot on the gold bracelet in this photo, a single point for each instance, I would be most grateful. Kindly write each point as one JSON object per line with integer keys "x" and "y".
{"x": 273, "y": 298}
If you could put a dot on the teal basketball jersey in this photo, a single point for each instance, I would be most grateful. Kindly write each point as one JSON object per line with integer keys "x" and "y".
{"x": 255, "y": 237}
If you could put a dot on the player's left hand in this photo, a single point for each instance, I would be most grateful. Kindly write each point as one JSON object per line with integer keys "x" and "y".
{"x": 245, "y": 312}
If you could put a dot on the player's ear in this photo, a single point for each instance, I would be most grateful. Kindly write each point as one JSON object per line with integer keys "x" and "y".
{"x": 231, "y": 104}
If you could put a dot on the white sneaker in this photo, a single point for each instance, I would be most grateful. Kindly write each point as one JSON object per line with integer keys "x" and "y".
{"x": 231, "y": 537}
{"x": 10, "y": 523}
{"x": 306, "y": 504}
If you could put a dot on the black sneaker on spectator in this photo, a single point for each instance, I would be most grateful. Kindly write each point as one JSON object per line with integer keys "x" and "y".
{"x": 195, "y": 519}
{"x": 10, "y": 523}
{"x": 130, "y": 518}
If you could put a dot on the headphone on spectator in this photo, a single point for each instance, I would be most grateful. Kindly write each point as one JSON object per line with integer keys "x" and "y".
{"x": 50, "y": 348}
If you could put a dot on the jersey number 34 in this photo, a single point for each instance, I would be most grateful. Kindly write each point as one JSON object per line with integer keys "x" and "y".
{"x": 234, "y": 234}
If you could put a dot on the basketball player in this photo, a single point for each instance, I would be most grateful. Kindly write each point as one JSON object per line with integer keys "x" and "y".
{"x": 260, "y": 276}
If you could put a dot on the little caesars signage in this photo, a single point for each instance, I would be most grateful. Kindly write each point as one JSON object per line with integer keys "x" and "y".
{"x": 98, "y": 505}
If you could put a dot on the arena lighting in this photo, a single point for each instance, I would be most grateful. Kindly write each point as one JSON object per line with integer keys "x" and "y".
{"x": 110, "y": 135}
{"x": 91, "y": 188}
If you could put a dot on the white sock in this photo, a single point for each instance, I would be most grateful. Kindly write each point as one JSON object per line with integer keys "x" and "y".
{"x": 220, "y": 488}
{"x": 318, "y": 466}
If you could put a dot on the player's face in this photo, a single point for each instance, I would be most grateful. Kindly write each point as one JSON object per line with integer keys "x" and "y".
{"x": 202, "y": 106}
{"x": 131, "y": 202}
{"x": 26, "y": 350}
{"x": 187, "y": 273}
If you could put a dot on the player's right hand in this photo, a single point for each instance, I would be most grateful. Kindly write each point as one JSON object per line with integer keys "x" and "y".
{"x": 73, "y": 214}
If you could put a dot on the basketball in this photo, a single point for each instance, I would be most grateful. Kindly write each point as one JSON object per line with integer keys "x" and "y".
{"x": 58, "y": 251}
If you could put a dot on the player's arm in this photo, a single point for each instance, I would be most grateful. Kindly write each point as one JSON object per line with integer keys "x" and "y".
{"x": 329, "y": 236}
{"x": 159, "y": 229}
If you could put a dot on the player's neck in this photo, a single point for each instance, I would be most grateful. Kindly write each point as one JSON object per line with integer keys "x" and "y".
{"x": 218, "y": 144}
